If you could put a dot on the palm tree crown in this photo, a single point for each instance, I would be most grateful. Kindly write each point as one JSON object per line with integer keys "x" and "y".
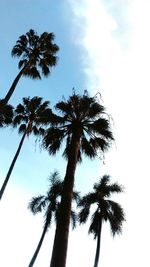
{"x": 81, "y": 115}
{"x": 50, "y": 202}
{"x": 37, "y": 52}
{"x": 31, "y": 115}
{"x": 106, "y": 210}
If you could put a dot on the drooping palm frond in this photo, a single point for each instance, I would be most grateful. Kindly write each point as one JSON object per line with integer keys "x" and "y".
{"x": 53, "y": 140}
{"x": 6, "y": 114}
{"x": 76, "y": 196}
{"x": 83, "y": 214}
{"x": 74, "y": 218}
{"x": 88, "y": 148}
{"x": 94, "y": 226}
{"x": 116, "y": 217}
{"x": 37, "y": 204}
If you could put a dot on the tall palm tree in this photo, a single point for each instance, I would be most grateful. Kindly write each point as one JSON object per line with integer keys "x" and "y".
{"x": 29, "y": 116}
{"x": 84, "y": 126}
{"x": 50, "y": 204}
{"x": 106, "y": 210}
{"x": 38, "y": 54}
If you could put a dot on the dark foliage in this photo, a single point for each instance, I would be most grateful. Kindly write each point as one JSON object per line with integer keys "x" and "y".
{"x": 84, "y": 114}
{"x": 6, "y": 114}
{"x": 36, "y": 52}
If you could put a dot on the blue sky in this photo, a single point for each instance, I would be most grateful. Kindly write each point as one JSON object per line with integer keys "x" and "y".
{"x": 103, "y": 47}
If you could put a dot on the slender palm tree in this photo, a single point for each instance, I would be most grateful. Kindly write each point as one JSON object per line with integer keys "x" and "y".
{"x": 85, "y": 127}
{"x": 50, "y": 204}
{"x": 106, "y": 210}
{"x": 6, "y": 114}
{"x": 38, "y": 56}
{"x": 29, "y": 116}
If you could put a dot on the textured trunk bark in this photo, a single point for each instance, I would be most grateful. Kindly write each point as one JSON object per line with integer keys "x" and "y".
{"x": 59, "y": 253}
{"x": 98, "y": 245}
{"x": 12, "y": 166}
{"x": 38, "y": 247}
{"x": 13, "y": 86}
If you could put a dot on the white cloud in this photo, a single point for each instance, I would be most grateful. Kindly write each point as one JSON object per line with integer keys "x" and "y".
{"x": 119, "y": 66}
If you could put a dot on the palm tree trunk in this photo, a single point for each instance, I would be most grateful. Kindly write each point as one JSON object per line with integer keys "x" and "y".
{"x": 39, "y": 246}
{"x": 98, "y": 244}
{"x": 12, "y": 165}
{"x": 13, "y": 86}
{"x": 59, "y": 252}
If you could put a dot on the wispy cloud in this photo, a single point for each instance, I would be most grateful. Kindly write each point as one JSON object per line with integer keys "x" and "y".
{"x": 117, "y": 66}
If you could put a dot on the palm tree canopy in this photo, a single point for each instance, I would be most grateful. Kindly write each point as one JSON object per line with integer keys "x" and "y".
{"x": 106, "y": 210}
{"x": 36, "y": 52}
{"x": 31, "y": 114}
{"x": 50, "y": 202}
{"x": 82, "y": 114}
{"x": 6, "y": 114}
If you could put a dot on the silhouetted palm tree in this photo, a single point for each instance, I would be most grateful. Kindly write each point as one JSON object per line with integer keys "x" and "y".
{"x": 37, "y": 53}
{"x": 50, "y": 205}
{"x": 86, "y": 129}
{"x": 6, "y": 114}
{"x": 29, "y": 116}
{"x": 106, "y": 210}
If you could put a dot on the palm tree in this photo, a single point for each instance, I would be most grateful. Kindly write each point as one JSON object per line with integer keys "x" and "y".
{"x": 29, "y": 116}
{"x": 37, "y": 53}
{"x": 106, "y": 210}
{"x": 50, "y": 204}
{"x": 86, "y": 129}
{"x": 6, "y": 114}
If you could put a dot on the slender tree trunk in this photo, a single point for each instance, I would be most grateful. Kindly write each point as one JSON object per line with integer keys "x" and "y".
{"x": 59, "y": 252}
{"x": 39, "y": 246}
{"x": 12, "y": 165}
{"x": 98, "y": 245}
{"x": 13, "y": 86}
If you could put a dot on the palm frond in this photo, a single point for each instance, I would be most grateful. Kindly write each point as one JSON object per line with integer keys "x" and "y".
{"x": 101, "y": 126}
{"x": 100, "y": 144}
{"x": 116, "y": 188}
{"x": 95, "y": 222}
{"x": 54, "y": 178}
{"x": 37, "y": 204}
{"x": 74, "y": 218}
{"x": 53, "y": 139}
{"x": 87, "y": 148}
{"x": 83, "y": 214}
{"x": 32, "y": 72}
{"x": 76, "y": 196}
{"x": 116, "y": 217}
{"x": 22, "y": 128}
{"x": 6, "y": 114}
